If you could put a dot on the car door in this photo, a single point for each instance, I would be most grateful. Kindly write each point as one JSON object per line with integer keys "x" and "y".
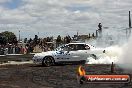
{"x": 63, "y": 55}
{"x": 84, "y": 51}
{"x": 79, "y": 52}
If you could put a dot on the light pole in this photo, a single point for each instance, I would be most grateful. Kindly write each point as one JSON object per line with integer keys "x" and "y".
{"x": 129, "y": 24}
{"x": 19, "y": 35}
{"x": 129, "y": 19}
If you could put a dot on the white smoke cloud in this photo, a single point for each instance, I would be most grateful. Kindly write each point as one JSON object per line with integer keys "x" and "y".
{"x": 125, "y": 60}
{"x": 120, "y": 55}
{"x": 112, "y": 55}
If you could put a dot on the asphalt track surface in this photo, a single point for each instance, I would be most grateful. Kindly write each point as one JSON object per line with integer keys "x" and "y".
{"x": 59, "y": 76}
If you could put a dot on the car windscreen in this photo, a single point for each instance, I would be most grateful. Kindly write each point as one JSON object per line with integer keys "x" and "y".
{"x": 61, "y": 48}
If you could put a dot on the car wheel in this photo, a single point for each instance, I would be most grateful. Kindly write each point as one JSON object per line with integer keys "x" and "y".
{"x": 48, "y": 61}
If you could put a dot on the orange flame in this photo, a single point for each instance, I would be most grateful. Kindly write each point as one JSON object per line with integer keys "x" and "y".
{"x": 81, "y": 71}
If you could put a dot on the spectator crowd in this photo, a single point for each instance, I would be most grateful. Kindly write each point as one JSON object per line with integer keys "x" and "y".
{"x": 33, "y": 45}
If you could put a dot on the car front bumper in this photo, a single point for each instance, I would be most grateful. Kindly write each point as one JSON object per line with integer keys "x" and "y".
{"x": 37, "y": 60}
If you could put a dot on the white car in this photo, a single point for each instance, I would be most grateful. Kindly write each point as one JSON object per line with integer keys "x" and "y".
{"x": 68, "y": 53}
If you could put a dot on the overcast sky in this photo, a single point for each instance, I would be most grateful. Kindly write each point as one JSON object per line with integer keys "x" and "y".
{"x": 64, "y": 17}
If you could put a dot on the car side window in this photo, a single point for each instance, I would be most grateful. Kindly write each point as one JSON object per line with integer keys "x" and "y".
{"x": 81, "y": 47}
{"x": 72, "y": 47}
{"x": 75, "y": 47}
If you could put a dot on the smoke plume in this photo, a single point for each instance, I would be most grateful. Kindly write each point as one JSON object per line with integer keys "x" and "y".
{"x": 125, "y": 60}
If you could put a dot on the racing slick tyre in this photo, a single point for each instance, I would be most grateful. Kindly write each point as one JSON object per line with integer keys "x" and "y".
{"x": 48, "y": 61}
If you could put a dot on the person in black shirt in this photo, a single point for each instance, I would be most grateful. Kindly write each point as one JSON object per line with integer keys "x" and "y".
{"x": 100, "y": 27}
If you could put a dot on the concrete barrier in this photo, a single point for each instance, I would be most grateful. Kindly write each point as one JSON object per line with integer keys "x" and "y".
{"x": 16, "y": 57}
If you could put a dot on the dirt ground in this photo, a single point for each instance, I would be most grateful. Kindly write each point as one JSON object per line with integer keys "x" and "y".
{"x": 61, "y": 76}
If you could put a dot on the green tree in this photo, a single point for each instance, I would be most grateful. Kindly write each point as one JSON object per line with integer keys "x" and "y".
{"x": 10, "y": 37}
{"x": 2, "y": 39}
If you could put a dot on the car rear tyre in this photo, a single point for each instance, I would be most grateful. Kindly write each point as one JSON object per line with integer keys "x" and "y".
{"x": 48, "y": 61}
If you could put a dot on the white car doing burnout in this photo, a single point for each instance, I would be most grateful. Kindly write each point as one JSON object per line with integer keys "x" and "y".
{"x": 68, "y": 53}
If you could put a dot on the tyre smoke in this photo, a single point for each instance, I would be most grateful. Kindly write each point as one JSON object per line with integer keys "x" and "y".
{"x": 125, "y": 60}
